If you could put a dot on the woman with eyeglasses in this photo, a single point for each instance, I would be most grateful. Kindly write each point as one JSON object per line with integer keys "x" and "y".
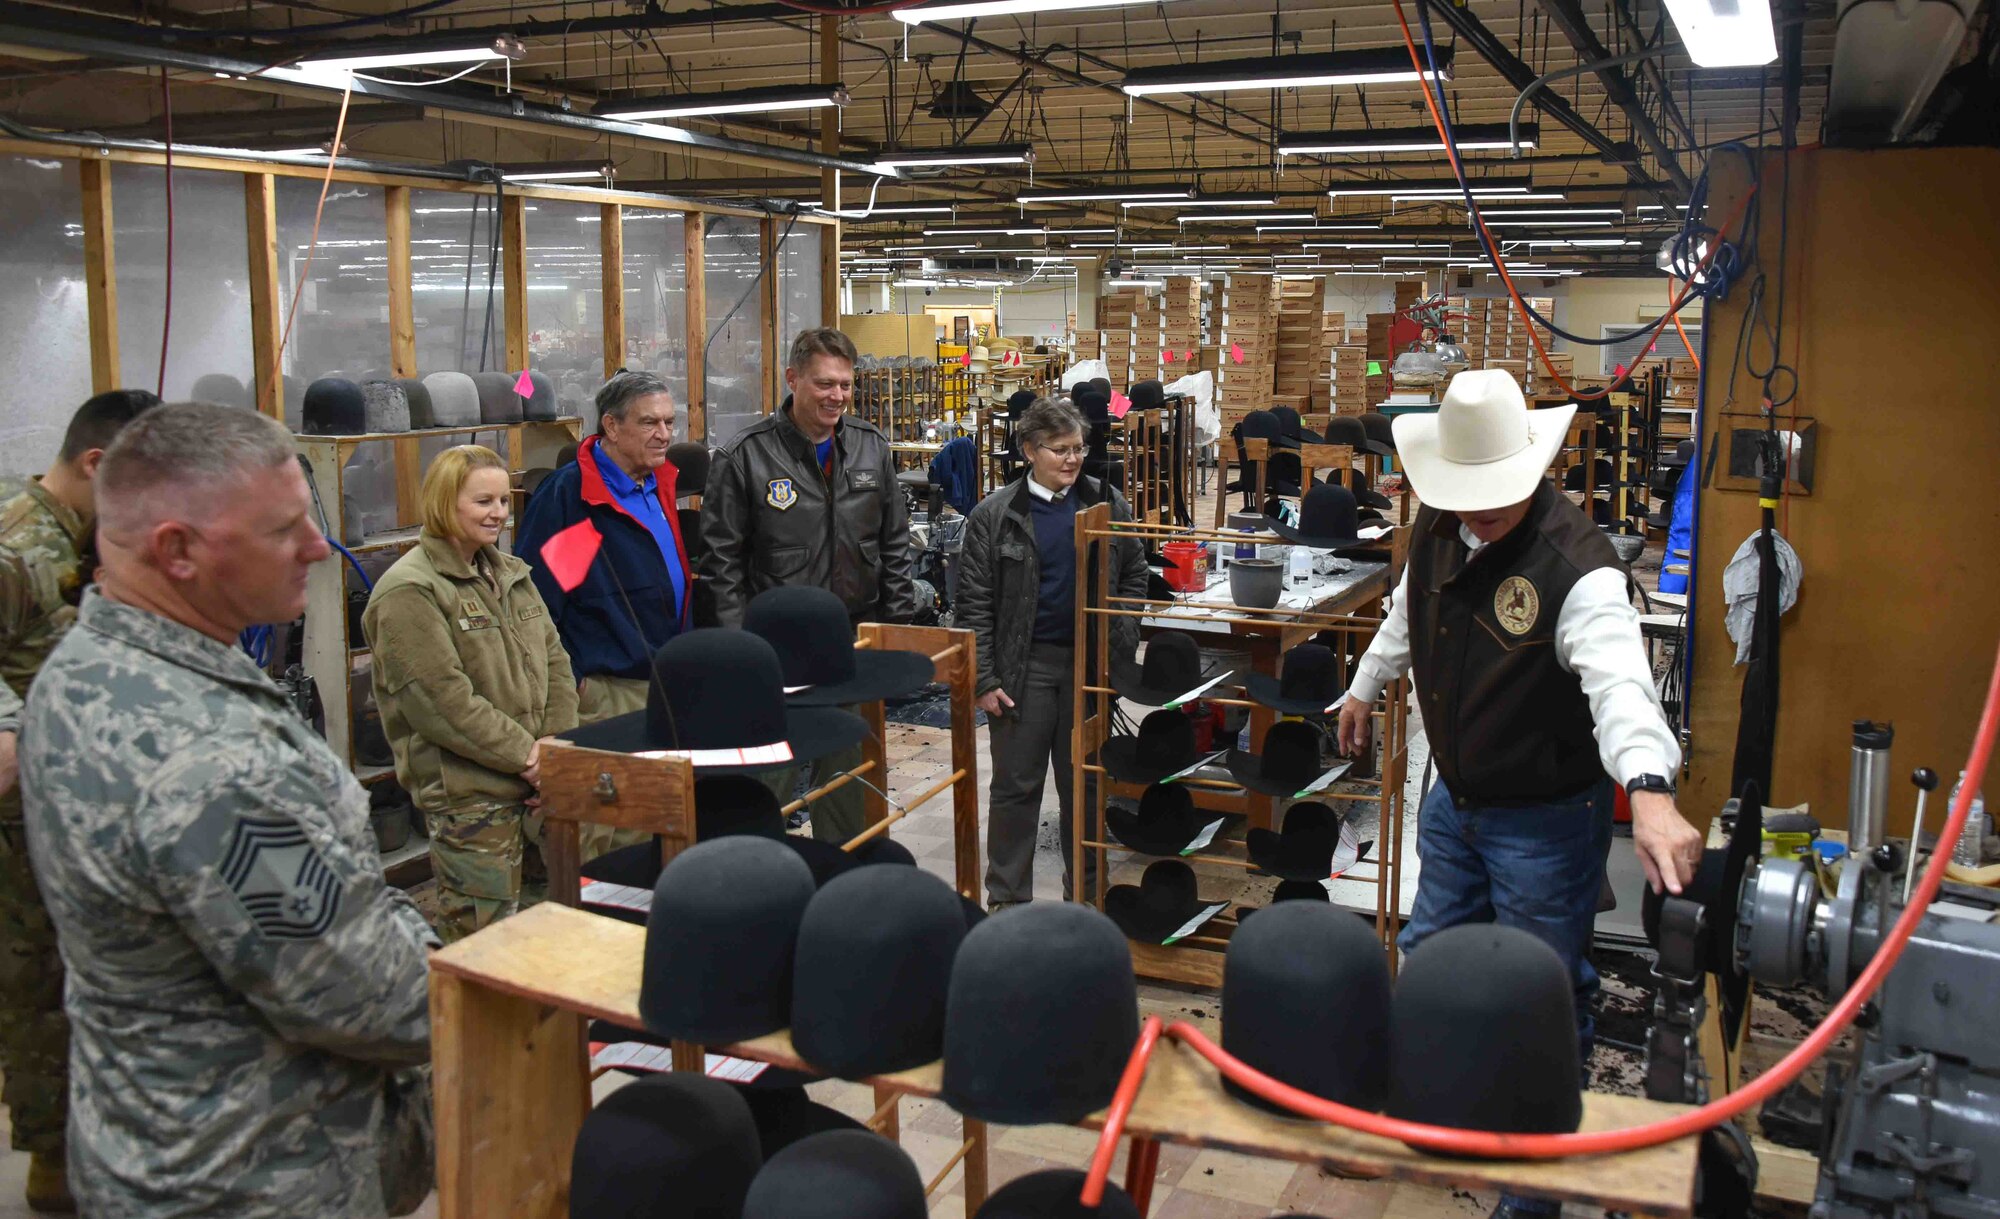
{"x": 1017, "y": 594}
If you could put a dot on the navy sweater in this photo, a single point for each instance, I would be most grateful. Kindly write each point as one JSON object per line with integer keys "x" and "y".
{"x": 1055, "y": 550}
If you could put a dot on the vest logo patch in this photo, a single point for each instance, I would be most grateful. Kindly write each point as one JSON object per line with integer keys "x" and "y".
{"x": 1516, "y": 604}
{"x": 780, "y": 494}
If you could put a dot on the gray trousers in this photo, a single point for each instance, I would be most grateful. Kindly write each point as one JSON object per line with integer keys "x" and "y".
{"x": 839, "y": 815}
{"x": 1036, "y": 732}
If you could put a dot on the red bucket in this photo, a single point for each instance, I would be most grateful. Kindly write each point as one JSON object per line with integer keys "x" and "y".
{"x": 1187, "y": 566}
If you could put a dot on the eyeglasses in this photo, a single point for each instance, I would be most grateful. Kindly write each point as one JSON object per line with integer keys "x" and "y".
{"x": 1070, "y": 452}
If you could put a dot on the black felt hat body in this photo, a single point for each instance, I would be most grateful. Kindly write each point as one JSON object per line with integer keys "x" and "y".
{"x": 809, "y": 629}
{"x": 1161, "y": 903}
{"x": 1043, "y": 1013}
{"x": 1290, "y": 761}
{"x": 690, "y": 459}
{"x": 1305, "y": 1000}
{"x": 1350, "y": 430}
{"x": 335, "y": 407}
{"x": 1166, "y": 820}
{"x": 720, "y": 941}
{"x": 541, "y": 403}
{"x": 1292, "y": 428}
{"x": 718, "y": 690}
{"x": 671, "y": 1144}
{"x": 785, "y": 1115}
{"x": 1147, "y": 395}
{"x": 1164, "y": 747}
{"x": 1054, "y": 1193}
{"x": 1328, "y": 519}
{"x": 1366, "y": 497}
{"x": 1304, "y": 849}
{"x": 1381, "y": 429}
{"x": 1485, "y": 1034}
{"x": 872, "y": 971}
{"x": 1171, "y": 668}
{"x": 418, "y": 397}
{"x": 1288, "y": 891}
{"x": 843, "y": 1174}
{"x": 1309, "y": 680}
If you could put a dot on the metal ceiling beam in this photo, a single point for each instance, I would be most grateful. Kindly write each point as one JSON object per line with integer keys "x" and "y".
{"x": 257, "y": 123}
{"x": 1567, "y": 16}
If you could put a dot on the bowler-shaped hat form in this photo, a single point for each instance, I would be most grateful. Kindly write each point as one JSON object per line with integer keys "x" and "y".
{"x": 1171, "y": 668}
{"x": 454, "y": 399}
{"x": 872, "y": 971}
{"x": 843, "y": 1174}
{"x": 1380, "y": 428}
{"x": 1147, "y": 395}
{"x": 1054, "y": 1193}
{"x": 1166, "y": 820}
{"x": 1288, "y": 891}
{"x": 1309, "y": 680}
{"x": 785, "y": 1115}
{"x": 1159, "y": 905}
{"x": 418, "y": 396}
{"x": 1304, "y": 850}
{"x": 720, "y": 695}
{"x": 720, "y": 941}
{"x": 1366, "y": 497}
{"x": 1328, "y": 519}
{"x": 335, "y": 407}
{"x": 809, "y": 629}
{"x": 541, "y": 403}
{"x": 670, "y": 1144}
{"x": 1164, "y": 746}
{"x": 1289, "y": 764}
{"x": 1519, "y": 1072}
{"x": 386, "y": 406}
{"x": 1305, "y": 1000}
{"x": 1483, "y": 449}
{"x": 1043, "y": 1013}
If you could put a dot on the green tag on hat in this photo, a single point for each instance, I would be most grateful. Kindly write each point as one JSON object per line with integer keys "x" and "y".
{"x": 1374, "y": 368}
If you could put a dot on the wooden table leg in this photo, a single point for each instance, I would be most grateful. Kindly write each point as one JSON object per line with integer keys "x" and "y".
{"x": 975, "y": 1165}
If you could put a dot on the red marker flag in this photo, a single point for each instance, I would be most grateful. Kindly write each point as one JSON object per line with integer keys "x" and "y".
{"x": 965, "y": 361}
{"x": 1167, "y": 355}
{"x": 523, "y": 385}
{"x": 1236, "y": 352}
{"x": 569, "y": 554}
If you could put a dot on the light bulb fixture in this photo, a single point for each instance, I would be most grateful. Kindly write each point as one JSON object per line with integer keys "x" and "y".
{"x": 1252, "y": 218}
{"x": 1375, "y": 66}
{"x": 559, "y": 171}
{"x": 1376, "y": 245}
{"x": 1122, "y": 245}
{"x": 1519, "y": 184}
{"x": 1318, "y": 228}
{"x": 1468, "y": 137}
{"x": 1208, "y": 201}
{"x": 503, "y": 47}
{"x": 991, "y": 154}
{"x": 1725, "y": 33}
{"x": 1108, "y": 194}
{"x": 1036, "y": 231}
{"x": 735, "y": 101}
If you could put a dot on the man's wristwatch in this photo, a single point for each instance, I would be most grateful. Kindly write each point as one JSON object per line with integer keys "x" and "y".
{"x": 1650, "y": 783}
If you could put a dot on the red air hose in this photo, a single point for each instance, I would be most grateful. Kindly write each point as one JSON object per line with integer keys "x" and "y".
{"x": 1121, "y": 1108}
{"x": 1493, "y": 1145}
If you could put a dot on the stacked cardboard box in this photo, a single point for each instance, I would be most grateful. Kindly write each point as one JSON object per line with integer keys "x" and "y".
{"x": 1089, "y": 344}
{"x": 1378, "y": 337}
{"x": 1300, "y": 327}
{"x": 1145, "y": 338}
{"x": 1517, "y": 369}
{"x": 1249, "y": 325}
{"x": 1548, "y": 377}
{"x": 1180, "y": 329}
{"x": 1114, "y": 320}
{"x": 1350, "y": 380}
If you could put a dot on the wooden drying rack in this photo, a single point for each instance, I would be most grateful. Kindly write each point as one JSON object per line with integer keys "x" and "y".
{"x": 1197, "y": 959}
{"x": 510, "y": 1004}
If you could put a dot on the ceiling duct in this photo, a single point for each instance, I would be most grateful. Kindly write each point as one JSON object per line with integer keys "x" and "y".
{"x": 957, "y": 100}
{"x": 1888, "y": 56}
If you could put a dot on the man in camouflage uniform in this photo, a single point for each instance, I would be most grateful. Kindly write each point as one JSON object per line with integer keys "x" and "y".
{"x": 44, "y": 534}
{"x": 243, "y": 986}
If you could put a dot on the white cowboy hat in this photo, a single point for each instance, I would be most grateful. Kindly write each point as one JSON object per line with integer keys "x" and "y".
{"x": 1484, "y": 449}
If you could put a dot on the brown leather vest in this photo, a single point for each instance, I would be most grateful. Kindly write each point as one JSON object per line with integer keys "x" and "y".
{"x": 1507, "y": 724}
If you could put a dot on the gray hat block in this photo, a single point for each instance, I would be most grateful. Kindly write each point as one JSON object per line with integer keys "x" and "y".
{"x": 454, "y": 399}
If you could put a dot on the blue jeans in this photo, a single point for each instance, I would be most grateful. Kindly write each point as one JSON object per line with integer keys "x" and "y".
{"x": 1539, "y": 868}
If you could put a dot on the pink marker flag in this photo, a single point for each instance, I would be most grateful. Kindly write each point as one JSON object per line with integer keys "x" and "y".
{"x": 1189, "y": 357}
{"x": 965, "y": 361}
{"x": 1167, "y": 356}
{"x": 569, "y": 553}
{"x": 1119, "y": 405}
{"x": 1236, "y": 352}
{"x": 523, "y": 385}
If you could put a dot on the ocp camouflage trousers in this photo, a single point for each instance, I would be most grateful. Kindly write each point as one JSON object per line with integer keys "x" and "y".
{"x": 34, "y": 1033}
{"x": 477, "y": 856}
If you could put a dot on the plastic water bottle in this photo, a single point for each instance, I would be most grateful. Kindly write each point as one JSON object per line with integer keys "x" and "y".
{"x": 1299, "y": 568}
{"x": 1965, "y": 853}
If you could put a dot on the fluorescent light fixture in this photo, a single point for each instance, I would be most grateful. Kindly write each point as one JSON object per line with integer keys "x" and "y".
{"x": 1469, "y": 137}
{"x": 1376, "y": 245}
{"x": 1571, "y": 212}
{"x": 1584, "y": 243}
{"x": 1122, "y": 245}
{"x": 558, "y": 171}
{"x": 1318, "y": 228}
{"x": 1082, "y": 232}
{"x": 499, "y": 48}
{"x": 1196, "y": 249}
{"x": 1108, "y": 194}
{"x": 1036, "y": 231}
{"x": 918, "y": 283}
{"x": 1137, "y": 283}
{"x": 1253, "y": 218}
{"x": 1486, "y": 200}
{"x": 1547, "y": 224}
{"x": 884, "y": 211}
{"x": 1380, "y": 65}
{"x": 1725, "y": 33}
{"x": 991, "y": 154}
{"x": 1209, "y": 201}
{"x": 944, "y": 247}
{"x": 918, "y": 14}
{"x": 1516, "y": 185}
{"x": 735, "y": 101}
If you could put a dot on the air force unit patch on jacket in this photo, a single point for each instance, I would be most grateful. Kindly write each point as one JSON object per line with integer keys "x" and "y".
{"x": 280, "y": 879}
{"x": 780, "y": 494}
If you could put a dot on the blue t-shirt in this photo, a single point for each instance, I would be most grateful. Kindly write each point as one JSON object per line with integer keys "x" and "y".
{"x": 824, "y": 452}
{"x": 642, "y": 500}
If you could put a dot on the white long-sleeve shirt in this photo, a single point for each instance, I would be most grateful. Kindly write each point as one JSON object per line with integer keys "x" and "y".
{"x": 1597, "y": 638}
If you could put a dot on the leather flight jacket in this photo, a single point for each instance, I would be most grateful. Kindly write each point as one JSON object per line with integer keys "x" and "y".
{"x": 770, "y": 517}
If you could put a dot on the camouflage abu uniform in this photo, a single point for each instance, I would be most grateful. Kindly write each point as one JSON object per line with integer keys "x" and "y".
{"x": 40, "y": 577}
{"x": 242, "y": 982}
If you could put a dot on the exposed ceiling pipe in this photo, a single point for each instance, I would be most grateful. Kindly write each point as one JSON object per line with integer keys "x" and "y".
{"x": 1567, "y": 16}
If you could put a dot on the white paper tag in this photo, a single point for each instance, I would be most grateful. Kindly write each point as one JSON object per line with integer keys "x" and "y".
{"x": 1324, "y": 781}
{"x": 755, "y": 755}
{"x": 1345, "y": 856}
{"x": 1198, "y": 691}
{"x": 1188, "y": 928}
{"x": 1199, "y": 763}
{"x": 645, "y": 1056}
{"x": 1206, "y": 836}
{"x": 617, "y": 897}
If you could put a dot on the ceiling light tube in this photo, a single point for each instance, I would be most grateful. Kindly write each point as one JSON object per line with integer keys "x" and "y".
{"x": 1378, "y": 65}
{"x": 868, "y": 213}
{"x": 921, "y": 13}
{"x": 1565, "y": 211}
{"x": 1469, "y": 137}
{"x": 1501, "y": 223}
{"x": 991, "y": 154}
{"x": 503, "y": 47}
{"x": 1109, "y": 194}
{"x": 558, "y": 171}
{"x": 1515, "y": 184}
{"x": 1122, "y": 245}
{"x": 1725, "y": 33}
{"x": 735, "y": 101}
{"x": 1584, "y": 243}
{"x": 1485, "y": 200}
{"x": 1022, "y": 232}
{"x": 1209, "y": 201}
{"x": 1318, "y": 228}
{"x": 1254, "y": 218}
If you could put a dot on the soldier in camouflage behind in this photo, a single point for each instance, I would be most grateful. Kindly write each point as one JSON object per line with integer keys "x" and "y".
{"x": 243, "y": 986}
{"x": 44, "y": 544}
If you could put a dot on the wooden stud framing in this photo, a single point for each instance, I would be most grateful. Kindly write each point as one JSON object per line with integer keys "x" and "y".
{"x": 693, "y": 234}
{"x": 829, "y": 274}
{"x": 611, "y": 237}
{"x": 267, "y": 320}
{"x": 402, "y": 307}
{"x": 100, "y": 275}
{"x": 772, "y": 302}
{"x": 514, "y": 271}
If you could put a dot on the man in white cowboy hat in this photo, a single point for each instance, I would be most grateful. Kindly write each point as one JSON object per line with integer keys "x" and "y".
{"x": 1535, "y": 689}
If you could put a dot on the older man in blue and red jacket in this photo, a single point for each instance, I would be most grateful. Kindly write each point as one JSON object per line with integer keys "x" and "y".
{"x": 634, "y": 597}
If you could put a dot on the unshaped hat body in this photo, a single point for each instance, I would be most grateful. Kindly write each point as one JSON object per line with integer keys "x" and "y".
{"x": 1042, "y": 1015}
{"x": 1054, "y": 1193}
{"x": 1305, "y": 1000}
{"x": 387, "y": 409}
{"x": 454, "y": 399}
{"x": 498, "y": 403}
{"x": 676, "y": 1144}
{"x": 720, "y": 941}
{"x": 872, "y": 971}
{"x": 1485, "y": 1034}
{"x": 334, "y": 407}
{"x": 541, "y": 402}
{"x": 843, "y": 1174}
{"x": 418, "y": 396}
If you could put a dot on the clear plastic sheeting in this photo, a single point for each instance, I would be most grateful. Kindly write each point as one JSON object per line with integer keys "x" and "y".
{"x": 458, "y": 330}
{"x": 209, "y": 336}
{"x": 732, "y": 266}
{"x": 799, "y": 304}
{"x": 655, "y": 300}
{"x": 44, "y": 311}
{"x": 566, "y": 292}
{"x": 341, "y": 328}
{"x": 1207, "y": 418}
